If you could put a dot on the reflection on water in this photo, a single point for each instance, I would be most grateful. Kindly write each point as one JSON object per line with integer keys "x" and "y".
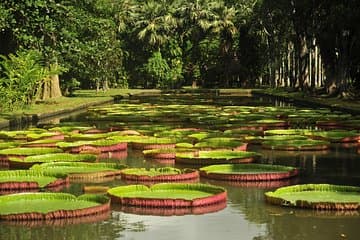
{"x": 246, "y": 215}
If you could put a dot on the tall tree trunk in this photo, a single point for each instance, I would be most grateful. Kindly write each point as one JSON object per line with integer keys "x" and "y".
{"x": 303, "y": 58}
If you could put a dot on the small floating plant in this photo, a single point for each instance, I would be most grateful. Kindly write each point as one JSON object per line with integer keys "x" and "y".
{"x": 316, "y": 196}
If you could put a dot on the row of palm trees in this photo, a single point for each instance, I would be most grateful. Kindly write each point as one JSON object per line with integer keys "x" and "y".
{"x": 178, "y": 30}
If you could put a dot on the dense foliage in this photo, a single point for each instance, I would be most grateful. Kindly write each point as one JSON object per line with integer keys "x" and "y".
{"x": 303, "y": 44}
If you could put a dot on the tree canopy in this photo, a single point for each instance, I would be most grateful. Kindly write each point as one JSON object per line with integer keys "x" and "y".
{"x": 307, "y": 45}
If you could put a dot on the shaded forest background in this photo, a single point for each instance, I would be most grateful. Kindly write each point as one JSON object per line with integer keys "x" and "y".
{"x": 50, "y": 48}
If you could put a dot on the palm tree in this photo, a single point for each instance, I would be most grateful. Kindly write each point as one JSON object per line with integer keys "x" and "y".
{"x": 155, "y": 23}
{"x": 224, "y": 26}
{"x": 195, "y": 21}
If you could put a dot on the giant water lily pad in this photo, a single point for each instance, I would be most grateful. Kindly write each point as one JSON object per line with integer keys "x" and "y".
{"x": 164, "y": 174}
{"x": 316, "y": 196}
{"x": 248, "y": 172}
{"x": 5, "y": 145}
{"x": 168, "y": 195}
{"x": 221, "y": 143}
{"x": 168, "y": 153}
{"x": 260, "y": 139}
{"x": 45, "y": 206}
{"x": 15, "y": 180}
{"x": 42, "y": 143}
{"x": 28, "y": 151}
{"x": 216, "y": 157}
{"x": 79, "y": 171}
{"x": 153, "y": 143}
{"x": 297, "y": 144}
{"x": 101, "y": 145}
{"x": 285, "y": 132}
{"x": 51, "y": 157}
{"x": 6, "y": 154}
{"x": 335, "y": 135}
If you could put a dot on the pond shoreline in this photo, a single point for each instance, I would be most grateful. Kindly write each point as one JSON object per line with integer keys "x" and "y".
{"x": 26, "y": 118}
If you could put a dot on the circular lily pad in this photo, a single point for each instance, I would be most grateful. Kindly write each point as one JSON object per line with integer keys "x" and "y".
{"x": 285, "y": 132}
{"x": 14, "y": 180}
{"x": 153, "y": 143}
{"x": 166, "y": 153}
{"x": 168, "y": 195}
{"x": 8, "y": 144}
{"x": 316, "y": 196}
{"x": 216, "y": 157}
{"x": 335, "y": 136}
{"x": 165, "y": 174}
{"x": 45, "y": 206}
{"x": 42, "y": 143}
{"x": 161, "y": 211}
{"x": 221, "y": 143}
{"x": 248, "y": 172}
{"x": 6, "y": 154}
{"x": 28, "y": 151}
{"x": 295, "y": 145}
{"x": 101, "y": 145}
{"x": 27, "y": 162}
{"x": 81, "y": 171}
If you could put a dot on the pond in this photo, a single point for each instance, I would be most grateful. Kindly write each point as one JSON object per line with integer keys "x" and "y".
{"x": 247, "y": 215}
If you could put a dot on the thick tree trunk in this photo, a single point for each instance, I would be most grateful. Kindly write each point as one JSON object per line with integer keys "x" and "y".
{"x": 51, "y": 85}
{"x": 51, "y": 88}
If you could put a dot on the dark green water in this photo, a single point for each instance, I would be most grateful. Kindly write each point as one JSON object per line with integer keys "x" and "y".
{"x": 246, "y": 215}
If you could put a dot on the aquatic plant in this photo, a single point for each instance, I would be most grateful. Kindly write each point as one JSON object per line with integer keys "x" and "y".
{"x": 216, "y": 157}
{"x": 316, "y": 196}
{"x": 164, "y": 174}
{"x": 248, "y": 172}
{"x": 81, "y": 170}
{"x": 168, "y": 195}
{"x": 45, "y": 206}
{"x": 51, "y": 157}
